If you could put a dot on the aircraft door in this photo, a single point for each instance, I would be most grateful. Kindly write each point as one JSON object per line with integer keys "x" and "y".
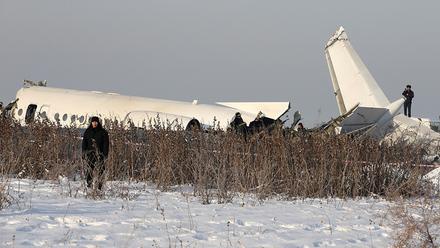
{"x": 30, "y": 113}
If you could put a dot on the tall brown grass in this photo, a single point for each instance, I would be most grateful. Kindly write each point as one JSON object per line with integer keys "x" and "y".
{"x": 220, "y": 164}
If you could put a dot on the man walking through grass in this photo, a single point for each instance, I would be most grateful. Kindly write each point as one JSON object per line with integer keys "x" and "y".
{"x": 95, "y": 147}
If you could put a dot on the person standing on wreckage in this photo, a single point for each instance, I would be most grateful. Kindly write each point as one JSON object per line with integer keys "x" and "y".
{"x": 409, "y": 95}
{"x": 95, "y": 148}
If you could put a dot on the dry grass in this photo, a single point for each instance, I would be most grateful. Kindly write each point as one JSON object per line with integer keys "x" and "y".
{"x": 219, "y": 164}
{"x": 4, "y": 196}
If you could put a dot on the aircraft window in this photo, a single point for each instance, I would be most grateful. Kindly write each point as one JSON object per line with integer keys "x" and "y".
{"x": 30, "y": 113}
{"x": 20, "y": 112}
{"x": 56, "y": 117}
{"x": 82, "y": 119}
{"x": 65, "y": 117}
{"x": 73, "y": 118}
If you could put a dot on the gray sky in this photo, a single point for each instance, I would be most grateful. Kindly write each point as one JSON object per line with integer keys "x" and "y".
{"x": 229, "y": 50}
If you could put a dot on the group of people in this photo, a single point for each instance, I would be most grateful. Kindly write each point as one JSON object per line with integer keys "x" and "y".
{"x": 260, "y": 123}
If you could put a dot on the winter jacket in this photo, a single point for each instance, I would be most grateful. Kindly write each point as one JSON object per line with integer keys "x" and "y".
{"x": 408, "y": 94}
{"x": 239, "y": 125}
{"x": 95, "y": 142}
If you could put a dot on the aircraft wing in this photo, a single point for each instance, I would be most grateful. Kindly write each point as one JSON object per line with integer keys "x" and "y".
{"x": 273, "y": 110}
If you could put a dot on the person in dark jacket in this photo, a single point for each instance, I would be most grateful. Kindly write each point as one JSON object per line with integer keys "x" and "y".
{"x": 301, "y": 128}
{"x": 238, "y": 124}
{"x": 95, "y": 147}
{"x": 409, "y": 95}
{"x": 257, "y": 125}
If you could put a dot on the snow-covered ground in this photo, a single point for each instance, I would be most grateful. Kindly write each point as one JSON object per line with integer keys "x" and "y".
{"x": 58, "y": 214}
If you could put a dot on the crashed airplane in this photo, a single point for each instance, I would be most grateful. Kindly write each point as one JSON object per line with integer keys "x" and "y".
{"x": 363, "y": 106}
{"x": 36, "y": 101}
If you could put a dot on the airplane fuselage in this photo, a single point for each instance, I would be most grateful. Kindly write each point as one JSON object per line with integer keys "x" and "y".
{"x": 75, "y": 107}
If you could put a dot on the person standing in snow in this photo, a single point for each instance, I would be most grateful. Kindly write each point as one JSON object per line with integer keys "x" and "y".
{"x": 95, "y": 148}
{"x": 409, "y": 95}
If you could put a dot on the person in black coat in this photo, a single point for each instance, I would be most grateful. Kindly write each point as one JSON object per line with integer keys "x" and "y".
{"x": 238, "y": 124}
{"x": 95, "y": 147}
{"x": 409, "y": 95}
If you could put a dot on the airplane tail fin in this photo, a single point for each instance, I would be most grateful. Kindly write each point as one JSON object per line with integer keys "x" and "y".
{"x": 352, "y": 82}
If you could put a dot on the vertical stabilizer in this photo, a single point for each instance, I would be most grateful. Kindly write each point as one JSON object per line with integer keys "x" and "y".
{"x": 337, "y": 90}
{"x": 352, "y": 82}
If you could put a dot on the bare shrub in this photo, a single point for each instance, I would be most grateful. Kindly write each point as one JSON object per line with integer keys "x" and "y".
{"x": 4, "y": 196}
{"x": 40, "y": 150}
{"x": 220, "y": 164}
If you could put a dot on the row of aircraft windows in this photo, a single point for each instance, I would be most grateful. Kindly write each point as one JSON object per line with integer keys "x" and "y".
{"x": 73, "y": 118}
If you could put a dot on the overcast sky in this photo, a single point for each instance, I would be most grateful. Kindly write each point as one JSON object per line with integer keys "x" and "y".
{"x": 220, "y": 50}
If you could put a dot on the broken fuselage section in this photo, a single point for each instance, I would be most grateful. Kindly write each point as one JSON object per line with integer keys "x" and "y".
{"x": 69, "y": 107}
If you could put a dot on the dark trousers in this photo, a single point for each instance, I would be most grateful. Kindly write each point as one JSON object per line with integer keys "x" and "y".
{"x": 407, "y": 108}
{"x": 95, "y": 167}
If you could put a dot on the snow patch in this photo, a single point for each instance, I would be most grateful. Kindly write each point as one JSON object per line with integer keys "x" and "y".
{"x": 46, "y": 215}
